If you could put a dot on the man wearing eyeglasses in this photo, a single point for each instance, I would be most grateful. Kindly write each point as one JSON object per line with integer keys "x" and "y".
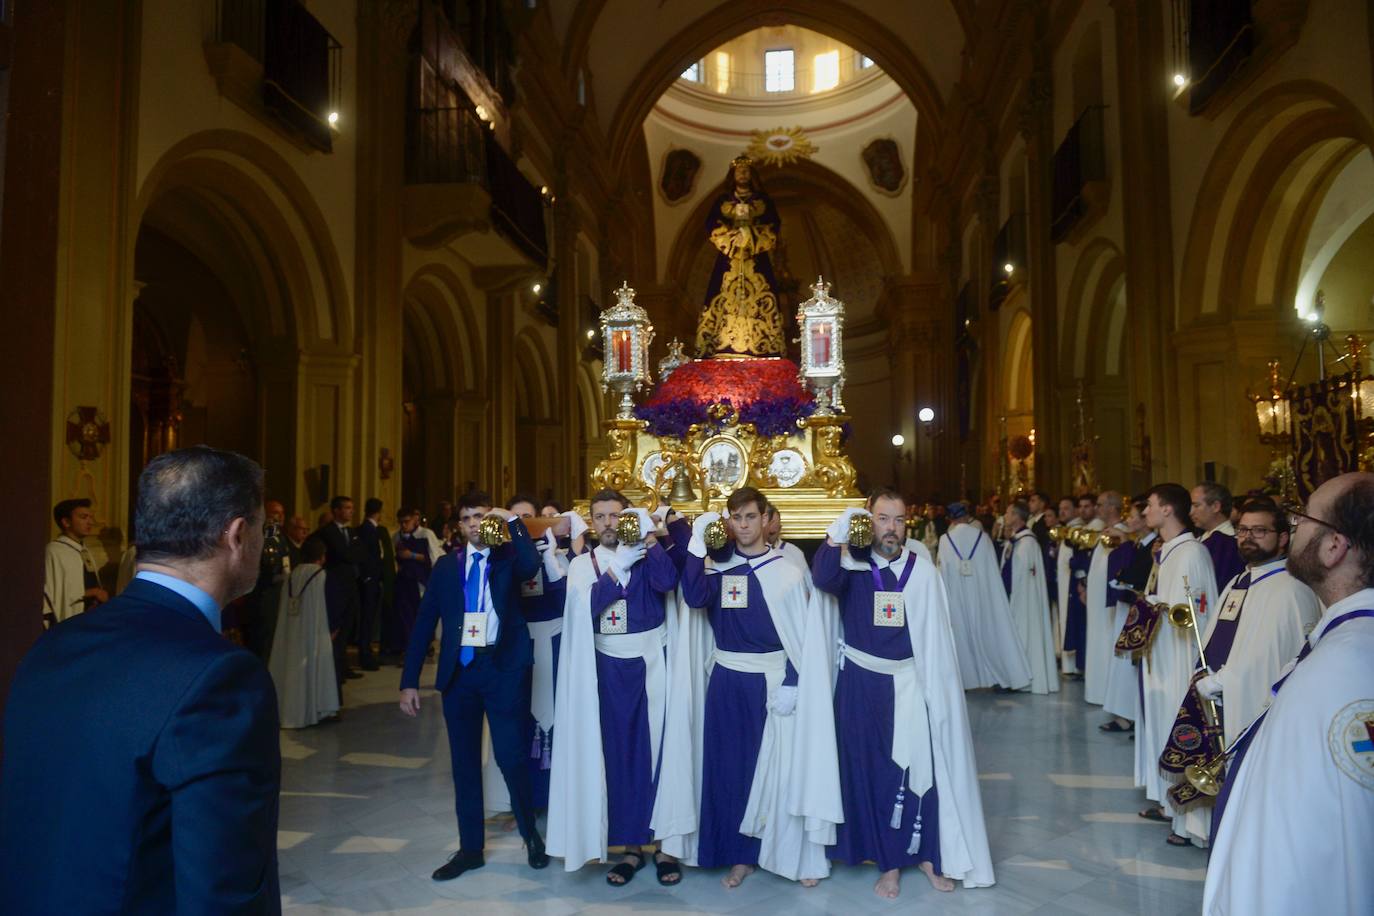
{"x": 1295, "y": 817}
{"x": 1262, "y": 618}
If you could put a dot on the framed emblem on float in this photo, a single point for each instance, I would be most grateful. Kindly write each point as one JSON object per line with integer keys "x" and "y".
{"x": 725, "y": 463}
{"x": 788, "y": 467}
{"x": 648, "y": 469}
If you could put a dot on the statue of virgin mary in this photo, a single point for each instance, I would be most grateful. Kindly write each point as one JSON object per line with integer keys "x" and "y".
{"x": 741, "y": 316}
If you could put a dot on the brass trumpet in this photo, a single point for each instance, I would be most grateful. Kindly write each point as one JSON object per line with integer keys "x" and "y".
{"x": 861, "y": 530}
{"x": 1110, "y": 540}
{"x": 1083, "y": 538}
{"x": 1180, "y": 615}
{"x": 492, "y": 531}
{"x": 1059, "y": 533}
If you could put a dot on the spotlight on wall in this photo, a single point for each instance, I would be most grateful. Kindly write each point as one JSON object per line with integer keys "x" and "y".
{"x": 481, "y": 112}
{"x": 333, "y": 119}
{"x": 898, "y": 440}
{"x": 536, "y": 288}
{"x": 925, "y": 415}
{"x": 1009, "y": 268}
{"x": 1180, "y": 80}
{"x": 591, "y": 333}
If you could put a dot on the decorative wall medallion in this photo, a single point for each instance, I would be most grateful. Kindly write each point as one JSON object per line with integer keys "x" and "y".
{"x": 648, "y": 469}
{"x": 87, "y": 431}
{"x": 883, "y": 165}
{"x": 679, "y": 175}
{"x": 788, "y": 467}
{"x": 780, "y": 146}
{"x": 724, "y": 463}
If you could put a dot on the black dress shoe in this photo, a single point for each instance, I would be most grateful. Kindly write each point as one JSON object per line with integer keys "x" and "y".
{"x": 537, "y": 856}
{"x": 353, "y": 675}
{"x": 458, "y": 863}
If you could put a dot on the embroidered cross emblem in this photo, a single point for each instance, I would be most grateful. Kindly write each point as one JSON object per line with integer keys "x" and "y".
{"x": 472, "y": 631}
{"x": 734, "y": 592}
{"x": 614, "y": 617}
{"x": 1365, "y": 747}
{"x": 889, "y": 610}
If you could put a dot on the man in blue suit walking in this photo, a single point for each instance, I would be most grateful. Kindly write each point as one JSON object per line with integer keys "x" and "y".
{"x": 484, "y": 662}
{"x": 141, "y": 768}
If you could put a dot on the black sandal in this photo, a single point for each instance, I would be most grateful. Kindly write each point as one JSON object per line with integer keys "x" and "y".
{"x": 1175, "y": 840}
{"x": 1155, "y": 814}
{"x": 667, "y": 870}
{"x": 625, "y": 871}
{"x": 1112, "y": 726}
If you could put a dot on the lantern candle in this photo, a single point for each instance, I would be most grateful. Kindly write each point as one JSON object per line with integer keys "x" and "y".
{"x": 820, "y": 344}
{"x": 624, "y": 360}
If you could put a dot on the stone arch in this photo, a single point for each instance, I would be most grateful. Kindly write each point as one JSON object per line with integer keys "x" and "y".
{"x": 439, "y": 293}
{"x": 274, "y": 222}
{"x": 1097, "y": 275}
{"x": 1019, "y": 392}
{"x": 1258, "y": 198}
{"x": 838, "y": 20}
{"x": 535, "y": 387}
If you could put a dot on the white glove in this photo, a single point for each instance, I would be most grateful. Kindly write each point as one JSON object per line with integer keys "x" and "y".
{"x": 784, "y": 701}
{"x": 553, "y": 562}
{"x": 697, "y": 545}
{"x": 576, "y": 524}
{"x": 626, "y": 557}
{"x": 660, "y": 516}
{"x": 1209, "y": 687}
{"x": 838, "y": 532}
{"x": 647, "y": 525}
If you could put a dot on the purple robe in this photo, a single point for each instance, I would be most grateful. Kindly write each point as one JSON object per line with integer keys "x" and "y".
{"x": 1226, "y": 560}
{"x": 538, "y": 608}
{"x": 631, "y": 781}
{"x": 736, "y": 710}
{"x": 1076, "y": 619}
{"x": 864, "y": 710}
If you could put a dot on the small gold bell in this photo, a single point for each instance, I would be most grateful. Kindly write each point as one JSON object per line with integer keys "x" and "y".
{"x": 716, "y": 534}
{"x": 492, "y": 532}
{"x": 682, "y": 491}
{"x": 860, "y": 530}
{"x": 627, "y": 529}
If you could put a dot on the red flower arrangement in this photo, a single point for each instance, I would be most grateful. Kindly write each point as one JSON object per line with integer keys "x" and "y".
{"x": 766, "y": 392}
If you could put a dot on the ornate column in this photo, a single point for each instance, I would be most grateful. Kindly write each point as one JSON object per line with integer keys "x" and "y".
{"x": 916, "y": 309}
{"x": 384, "y": 27}
{"x": 1034, "y": 121}
{"x": 990, "y": 406}
{"x": 1147, "y": 223}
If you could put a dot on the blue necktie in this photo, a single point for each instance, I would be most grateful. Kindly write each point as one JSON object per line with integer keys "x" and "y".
{"x": 472, "y": 595}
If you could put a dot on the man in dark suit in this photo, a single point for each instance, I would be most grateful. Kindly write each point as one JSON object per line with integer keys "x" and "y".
{"x": 141, "y": 768}
{"x": 341, "y": 562}
{"x": 374, "y": 548}
{"x": 484, "y": 664}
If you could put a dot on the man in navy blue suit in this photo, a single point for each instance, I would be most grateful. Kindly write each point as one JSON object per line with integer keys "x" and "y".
{"x": 141, "y": 769}
{"x": 484, "y": 665}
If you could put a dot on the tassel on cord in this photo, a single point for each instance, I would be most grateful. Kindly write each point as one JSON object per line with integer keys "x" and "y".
{"x": 915, "y": 845}
{"x": 546, "y": 758}
{"x": 896, "y": 822}
{"x": 536, "y": 747}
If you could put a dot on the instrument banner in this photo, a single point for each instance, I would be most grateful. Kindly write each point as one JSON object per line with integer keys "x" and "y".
{"x": 1191, "y": 740}
{"x": 1183, "y": 794}
{"x": 1138, "y": 632}
{"x": 1324, "y": 432}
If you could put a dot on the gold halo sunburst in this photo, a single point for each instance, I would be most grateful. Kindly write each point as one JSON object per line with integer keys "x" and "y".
{"x": 780, "y": 146}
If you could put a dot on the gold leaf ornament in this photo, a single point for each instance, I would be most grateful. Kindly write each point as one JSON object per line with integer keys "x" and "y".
{"x": 780, "y": 146}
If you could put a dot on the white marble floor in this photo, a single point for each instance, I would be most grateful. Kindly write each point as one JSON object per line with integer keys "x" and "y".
{"x": 367, "y": 814}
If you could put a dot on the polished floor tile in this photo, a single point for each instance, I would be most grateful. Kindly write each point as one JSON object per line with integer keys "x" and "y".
{"x": 367, "y": 814}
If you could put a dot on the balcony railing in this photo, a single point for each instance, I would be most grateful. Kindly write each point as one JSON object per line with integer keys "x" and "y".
{"x": 1212, "y": 39}
{"x": 446, "y": 146}
{"x": 301, "y": 62}
{"x": 1079, "y": 161}
{"x": 517, "y": 208}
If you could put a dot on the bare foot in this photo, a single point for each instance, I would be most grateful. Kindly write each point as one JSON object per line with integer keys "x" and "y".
{"x": 889, "y": 884}
{"x": 809, "y": 882}
{"x": 737, "y": 876}
{"x": 939, "y": 882}
{"x": 509, "y": 825}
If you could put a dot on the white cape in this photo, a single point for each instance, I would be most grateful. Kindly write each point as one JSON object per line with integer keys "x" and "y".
{"x": 577, "y": 824}
{"x": 302, "y": 659}
{"x": 794, "y": 799}
{"x": 1030, "y": 610}
{"x": 964, "y": 854}
{"x": 64, "y": 581}
{"x": 1099, "y": 642}
{"x": 990, "y": 653}
{"x": 1299, "y": 825}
